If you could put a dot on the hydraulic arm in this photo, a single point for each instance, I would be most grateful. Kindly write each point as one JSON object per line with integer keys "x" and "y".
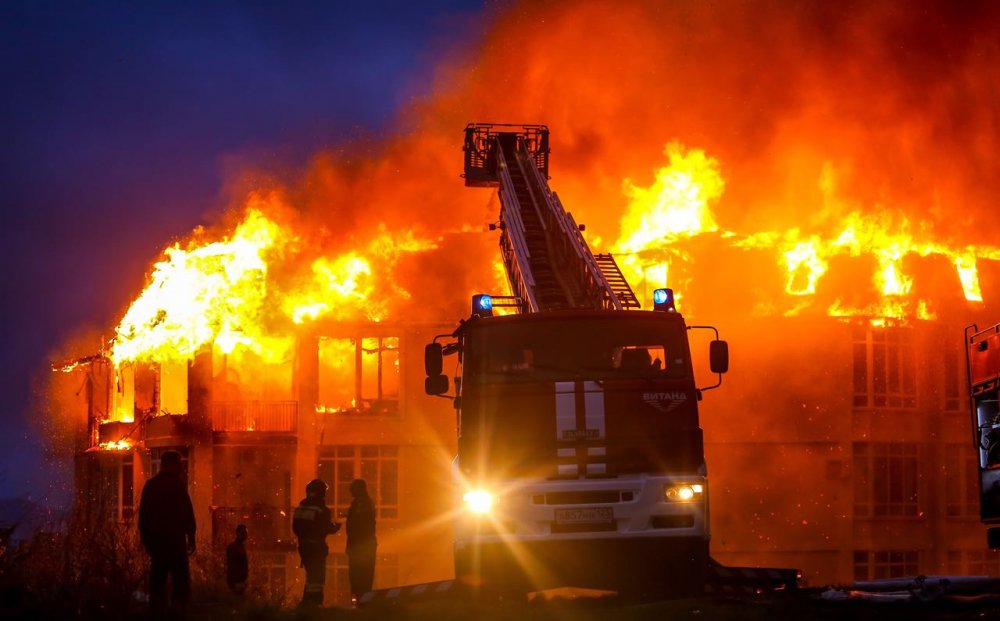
{"x": 548, "y": 263}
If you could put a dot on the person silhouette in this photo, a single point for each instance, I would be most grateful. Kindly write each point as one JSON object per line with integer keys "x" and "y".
{"x": 237, "y": 563}
{"x": 361, "y": 541}
{"x": 311, "y": 523}
{"x": 167, "y": 529}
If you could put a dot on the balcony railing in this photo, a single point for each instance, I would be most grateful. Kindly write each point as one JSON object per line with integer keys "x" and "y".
{"x": 281, "y": 416}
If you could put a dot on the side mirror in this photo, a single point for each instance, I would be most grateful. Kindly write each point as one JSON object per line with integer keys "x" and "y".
{"x": 718, "y": 356}
{"x": 433, "y": 361}
{"x": 436, "y": 384}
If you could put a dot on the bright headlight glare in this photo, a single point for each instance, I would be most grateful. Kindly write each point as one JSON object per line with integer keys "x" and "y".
{"x": 478, "y": 501}
{"x": 683, "y": 492}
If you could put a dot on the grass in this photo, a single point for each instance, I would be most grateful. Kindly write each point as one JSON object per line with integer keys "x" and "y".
{"x": 799, "y": 606}
{"x": 802, "y": 606}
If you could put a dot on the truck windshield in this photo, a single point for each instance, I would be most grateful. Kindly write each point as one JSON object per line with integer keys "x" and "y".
{"x": 596, "y": 349}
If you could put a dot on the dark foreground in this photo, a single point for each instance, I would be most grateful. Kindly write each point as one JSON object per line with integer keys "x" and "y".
{"x": 803, "y": 605}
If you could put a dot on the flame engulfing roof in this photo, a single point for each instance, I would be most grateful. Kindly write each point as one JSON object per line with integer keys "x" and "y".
{"x": 246, "y": 289}
{"x": 811, "y": 137}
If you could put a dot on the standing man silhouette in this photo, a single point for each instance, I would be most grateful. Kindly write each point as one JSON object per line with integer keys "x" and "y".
{"x": 361, "y": 542}
{"x": 311, "y": 524}
{"x": 237, "y": 563}
{"x": 166, "y": 529}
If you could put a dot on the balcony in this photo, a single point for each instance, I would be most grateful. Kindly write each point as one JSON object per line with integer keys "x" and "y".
{"x": 264, "y": 416}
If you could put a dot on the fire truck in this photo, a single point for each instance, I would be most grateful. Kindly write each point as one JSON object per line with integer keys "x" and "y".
{"x": 983, "y": 363}
{"x": 580, "y": 455}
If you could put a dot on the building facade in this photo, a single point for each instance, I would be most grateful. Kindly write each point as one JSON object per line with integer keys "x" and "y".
{"x": 834, "y": 446}
{"x": 343, "y": 402}
{"x": 845, "y": 450}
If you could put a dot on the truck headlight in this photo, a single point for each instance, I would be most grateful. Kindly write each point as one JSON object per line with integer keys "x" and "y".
{"x": 683, "y": 492}
{"x": 478, "y": 501}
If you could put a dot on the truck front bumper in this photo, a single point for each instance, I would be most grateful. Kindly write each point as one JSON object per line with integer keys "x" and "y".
{"x": 632, "y": 565}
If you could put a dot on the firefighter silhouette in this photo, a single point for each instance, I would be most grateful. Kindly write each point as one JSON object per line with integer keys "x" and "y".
{"x": 311, "y": 523}
{"x": 166, "y": 529}
{"x": 361, "y": 542}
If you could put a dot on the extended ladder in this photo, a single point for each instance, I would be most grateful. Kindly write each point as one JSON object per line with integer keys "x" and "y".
{"x": 548, "y": 263}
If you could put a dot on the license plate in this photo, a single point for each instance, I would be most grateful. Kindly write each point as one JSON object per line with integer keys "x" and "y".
{"x": 586, "y": 515}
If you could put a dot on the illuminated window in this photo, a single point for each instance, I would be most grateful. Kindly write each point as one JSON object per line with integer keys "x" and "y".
{"x": 884, "y": 368}
{"x": 377, "y": 465}
{"x": 961, "y": 481}
{"x": 117, "y": 495}
{"x": 877, "y": 565}
{"x": 886, "y": 479}
{"x": 359, "y": 375}
{"x": 246, "y": 376}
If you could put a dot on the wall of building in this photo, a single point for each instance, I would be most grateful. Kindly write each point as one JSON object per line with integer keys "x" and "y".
{"x": 817, "y": 464}
{"x": 814, "y": 463}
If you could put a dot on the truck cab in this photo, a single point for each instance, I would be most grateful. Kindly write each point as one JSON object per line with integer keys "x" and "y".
{"x": 580, "y": 455}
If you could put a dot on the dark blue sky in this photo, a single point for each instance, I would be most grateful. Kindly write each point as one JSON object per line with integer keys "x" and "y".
{"x": 120, "y": 121}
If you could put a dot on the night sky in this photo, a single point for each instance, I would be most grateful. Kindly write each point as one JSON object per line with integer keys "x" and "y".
{"x": 121, "y": 123}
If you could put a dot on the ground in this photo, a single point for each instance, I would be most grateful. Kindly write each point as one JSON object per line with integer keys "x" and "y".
{"x": 801, "y": 606}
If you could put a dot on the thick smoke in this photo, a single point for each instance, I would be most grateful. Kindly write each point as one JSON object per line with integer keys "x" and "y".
{"x": 888, "y": 106}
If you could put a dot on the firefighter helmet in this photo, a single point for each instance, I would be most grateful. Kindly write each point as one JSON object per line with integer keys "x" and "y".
{"x": 316, "y": 487}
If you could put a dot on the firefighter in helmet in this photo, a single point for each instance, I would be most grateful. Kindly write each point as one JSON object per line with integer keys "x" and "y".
{"x": 311, "y": 524}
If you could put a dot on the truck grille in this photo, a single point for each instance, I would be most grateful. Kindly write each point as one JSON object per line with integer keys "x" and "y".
{"x": 583, "y": 497}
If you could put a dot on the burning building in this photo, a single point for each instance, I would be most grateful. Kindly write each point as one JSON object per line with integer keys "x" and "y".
{"x": 258, "y": 410}
{"x": 842, "y": 443}
{"x": 825, "y": 210}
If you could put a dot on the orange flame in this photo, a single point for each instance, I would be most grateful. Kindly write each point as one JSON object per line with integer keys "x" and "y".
{"x": 202, "y": 294}
{"x": 226, "y": 293}
{"x": 678, "y": 205}
{"x": 118, "y": 445}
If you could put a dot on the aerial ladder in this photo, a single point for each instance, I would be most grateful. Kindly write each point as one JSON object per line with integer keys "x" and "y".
{"x": 553, "y": 272}
{"x": 548, "y": 263}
